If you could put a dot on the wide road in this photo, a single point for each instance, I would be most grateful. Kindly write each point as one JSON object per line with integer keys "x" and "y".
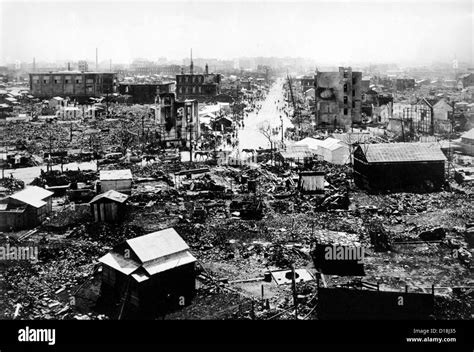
{"x": 250, "y": 137}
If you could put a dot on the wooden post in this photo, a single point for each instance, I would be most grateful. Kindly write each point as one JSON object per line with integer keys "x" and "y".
{"x": 432, "y": 289}
{"x": 293, "y": 284}
{"x": 406, "y": 288}
{"x": 263, "y": 293}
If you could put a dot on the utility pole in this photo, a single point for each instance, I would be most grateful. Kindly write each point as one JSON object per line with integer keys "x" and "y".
{"x": 281, "y": 119}
{"x": 190, "y": 141}
{"x": 293, "y": 285}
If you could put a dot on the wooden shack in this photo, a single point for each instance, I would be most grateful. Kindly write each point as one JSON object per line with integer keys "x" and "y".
{"x": 117, "y": 180}
{"x": 25, "y": 209}
{"x": 108, "y": 206}
{"x": 149, "y": 275}
{"x": 399, "y": 166}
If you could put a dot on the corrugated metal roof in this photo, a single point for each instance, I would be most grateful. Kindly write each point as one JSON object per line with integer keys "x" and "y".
{"x": 125, "y": 174}
{"x": 401, "y": 152}
{"x": 118, "y": 262}
{"x": 112, "y": 195}
{"x": 157, "y": 244}
{"x": 33, "y": 196}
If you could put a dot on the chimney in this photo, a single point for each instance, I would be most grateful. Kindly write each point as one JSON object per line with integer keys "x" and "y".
{"x": 34, "y": 64}
{"x": 69, "y": 66}
{"x": 207, "y": 69}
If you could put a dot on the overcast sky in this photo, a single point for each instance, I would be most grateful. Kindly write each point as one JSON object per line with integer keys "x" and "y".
{"x": 338, "y": 31}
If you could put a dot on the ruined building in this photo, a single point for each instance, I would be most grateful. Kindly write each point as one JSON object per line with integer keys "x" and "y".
{"x": 75, "y": 84}
{"x": 177, "y": 121}
{"x": 203, "y": 87}
{"x": 338, "y": 98}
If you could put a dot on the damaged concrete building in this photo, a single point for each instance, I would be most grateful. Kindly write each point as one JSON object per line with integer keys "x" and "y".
{"x": 75, "y": 84}
{"x": 177, "y": 121}
{"x": 399, "y": 166}
{"x": 202, "y": 87}
{"x": 145, "y": 93}
{"x": 338, "y": 98}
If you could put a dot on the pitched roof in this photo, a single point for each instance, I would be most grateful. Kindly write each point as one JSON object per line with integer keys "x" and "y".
{"x": 112, "y": 195}
{"x": 469, "y": 134}
{"x": 157, "y": 244}
{"x": 32, "y": 195}
{"x": 401, "y": 152}
{"x": 119, "y": 262}
{"x": 157, "y": 252}
{"x": 125, "y": 174}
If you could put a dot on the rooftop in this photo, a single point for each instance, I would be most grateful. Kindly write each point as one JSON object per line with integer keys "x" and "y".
{"x": 469, "y": 134}
{"x": 32, "y": 195}
{"x": 125, "y": 174}
{"x": 157, "y": 252}
{"x": 157, "y": 244}
{"x": 401, "y": 152}
{"x": 112, "y": 195}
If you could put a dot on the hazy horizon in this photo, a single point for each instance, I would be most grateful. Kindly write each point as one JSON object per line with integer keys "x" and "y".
{"x": 330, "y": 32}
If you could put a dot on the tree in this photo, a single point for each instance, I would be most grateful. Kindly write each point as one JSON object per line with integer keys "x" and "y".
{"x": 266, "y": 129}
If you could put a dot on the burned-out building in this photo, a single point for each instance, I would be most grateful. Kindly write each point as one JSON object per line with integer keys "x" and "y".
{"x": 25, "y": 209}
{"x": 202, "y": 87}
{"x": 399, "y": 166}
{"x": 338, "y": 98}
{"x": 72, "y": 84}
{"x": 177, "y": 121}
{"x": 307, "y": 82}
{"x": 145, "y": 93}
{"x": 150, "y": 274}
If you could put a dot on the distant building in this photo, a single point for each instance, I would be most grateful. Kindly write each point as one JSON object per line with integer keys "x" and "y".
{"x": 307, "y": 83}
{"x": 402, "y": 84}
{"x": 203, "y": 87}
{"x": 398, "y": 166}
{"x": 338, "y": 98}
{"x": 466, "y": 80}
{"x": 145, "y": 93}
{"x": 72, "y": 84}
{"x": 83, "y": 66}
{"x": 177, "y": 121}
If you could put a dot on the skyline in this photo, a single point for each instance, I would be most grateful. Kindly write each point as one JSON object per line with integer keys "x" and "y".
{"x": 343, "y": 31}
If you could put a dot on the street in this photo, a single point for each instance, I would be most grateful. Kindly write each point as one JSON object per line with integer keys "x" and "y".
{"x": 250, "y": 137}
